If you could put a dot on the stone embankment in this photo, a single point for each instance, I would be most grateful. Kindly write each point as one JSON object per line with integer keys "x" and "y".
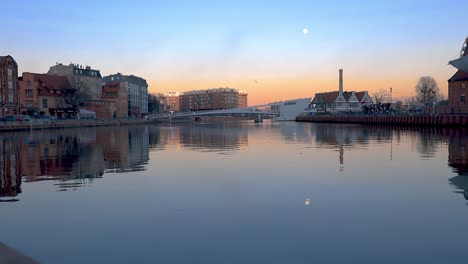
{"x": 415, "y": 120}
{"x": 53, "y": 124}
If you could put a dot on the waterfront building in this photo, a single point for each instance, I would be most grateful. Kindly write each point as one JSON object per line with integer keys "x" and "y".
{"x": 137, "y": 92}
{"x": 341, "y": 101}
{"x": 210, "y": 99}
{"x": 8, "y": 86}
{"x": 44, "y": 95}
{"x": 115, "y": 92}
{"x": 458, "y": 83}
{"x": 173, "y": 101}
{"x": 84, "y": 79}
{"x": 242, "y": 99}
{"x": 457, "y": 92}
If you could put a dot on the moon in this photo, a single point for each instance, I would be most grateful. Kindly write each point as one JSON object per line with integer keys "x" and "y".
{"x": 305, "y": 31}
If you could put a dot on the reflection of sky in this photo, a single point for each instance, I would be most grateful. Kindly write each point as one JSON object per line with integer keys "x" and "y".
{"x": 248, "y": 207}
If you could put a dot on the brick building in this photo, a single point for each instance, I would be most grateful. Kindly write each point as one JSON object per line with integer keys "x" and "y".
{"x": 457, "y": 92}
{"x": 115, "y": 92}
{"x": 242, "y": 99}
{"x": 137, "y": 90}
{"x": 44, "y": 95}
{"x": 8, "y": 86}
{"x": 211, "y": 99}
{"x": 173, "y": 101}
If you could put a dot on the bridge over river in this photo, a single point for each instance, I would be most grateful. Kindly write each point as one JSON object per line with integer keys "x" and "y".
{"x": 248, "y": 112}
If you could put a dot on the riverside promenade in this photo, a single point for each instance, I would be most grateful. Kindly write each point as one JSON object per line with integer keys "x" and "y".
{"x": 54, "y": 124}
{"x": 406, "y": 120}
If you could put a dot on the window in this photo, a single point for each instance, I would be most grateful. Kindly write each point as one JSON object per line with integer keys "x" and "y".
{"x": 10, "y": 97}
{"x": 462, "y": 98}
{"x": 29, "y": 104}
{"x": 10, "y": 72}
{"x": 44, "y": 103}
{"x": 28, "y": 92}
{"x": 28, "y": 83}
{"x": 463, "y": 85}
{"x": 10, "y": 84}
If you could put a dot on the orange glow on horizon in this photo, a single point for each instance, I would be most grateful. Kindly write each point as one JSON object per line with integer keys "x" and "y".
{"x": 263, "y": 91}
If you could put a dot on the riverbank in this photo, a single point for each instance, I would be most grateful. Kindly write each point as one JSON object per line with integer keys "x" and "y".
{"x": 416, "y": 120}
{"x": 49, "y": 124}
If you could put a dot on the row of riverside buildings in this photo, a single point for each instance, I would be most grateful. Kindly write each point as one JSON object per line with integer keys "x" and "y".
{"x": 68, "y": 91}
{"x": 209, "y": 99}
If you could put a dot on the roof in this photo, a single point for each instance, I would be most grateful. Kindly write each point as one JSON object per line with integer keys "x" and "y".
{"x": 360, "y": 95}
{"x": 329, "y": 97}
{"x": 52, "y": 81}
{"x": 3, "y": 59}
{"x": 464, "y": 51}
{"x": 459, "y": 76}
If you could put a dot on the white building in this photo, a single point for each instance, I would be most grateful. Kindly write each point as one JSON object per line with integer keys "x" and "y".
{"x": 137, "y": 89}
{"x": 339, "y": 101}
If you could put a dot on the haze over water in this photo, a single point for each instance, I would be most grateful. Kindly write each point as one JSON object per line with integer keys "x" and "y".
{"x": 236, "y": 193}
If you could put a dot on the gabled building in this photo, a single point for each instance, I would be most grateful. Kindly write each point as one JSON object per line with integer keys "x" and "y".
{"x": 8, "y": 86}
{"x": 44, "y": 95}
{"x": 340, "y": 101}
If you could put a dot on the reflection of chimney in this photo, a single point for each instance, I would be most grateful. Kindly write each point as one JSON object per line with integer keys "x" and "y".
{"x": 341, "y": 81}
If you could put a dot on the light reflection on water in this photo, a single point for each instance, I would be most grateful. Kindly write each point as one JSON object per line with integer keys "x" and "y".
{"x": 206, "y": 188}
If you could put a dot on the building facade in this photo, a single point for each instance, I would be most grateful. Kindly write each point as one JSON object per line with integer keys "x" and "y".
{"x": 44, "y": 95}
{"x": 457, "y": 92}
{"x": 137, "y": 91}
{"x": 8, "y": 86}
{"x": 211, "y": 99}
{"x": 173, "y": 101}
{"x": 242, "y": 99}
{"x": 115, "y": 92}
{"x": 340, "y": 101}
{"x": 83, "y": 79}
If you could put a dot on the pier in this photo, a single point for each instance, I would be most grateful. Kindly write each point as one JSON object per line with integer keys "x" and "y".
{"x": 409, "y": 120}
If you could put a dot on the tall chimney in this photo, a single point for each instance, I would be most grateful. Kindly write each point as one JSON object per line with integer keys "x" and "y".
{"x": 341, "y": 81}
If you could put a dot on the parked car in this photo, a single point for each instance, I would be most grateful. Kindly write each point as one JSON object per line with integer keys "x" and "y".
{"x": 12, "y": 118}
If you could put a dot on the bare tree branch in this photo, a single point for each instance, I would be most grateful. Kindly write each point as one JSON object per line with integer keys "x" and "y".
{"x": 381, "y": 96}
{"x": 427, "y": 90}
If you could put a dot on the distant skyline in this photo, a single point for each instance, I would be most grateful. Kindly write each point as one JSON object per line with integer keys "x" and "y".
{"x": 258, "y": 46}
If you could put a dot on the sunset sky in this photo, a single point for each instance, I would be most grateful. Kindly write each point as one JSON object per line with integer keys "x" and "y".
{"x": 257, "y": 46}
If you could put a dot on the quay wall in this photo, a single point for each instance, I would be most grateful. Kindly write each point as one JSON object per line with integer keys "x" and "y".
{"x": 46, "y": 124}
{"x": 416, "y": 120}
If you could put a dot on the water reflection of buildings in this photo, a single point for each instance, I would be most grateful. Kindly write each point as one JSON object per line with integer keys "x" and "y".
{"x": 10, "y": 169}
{"x": 71, "y": 157}
{"x": 458, "y": 160}
{"x": 216, "y": 137}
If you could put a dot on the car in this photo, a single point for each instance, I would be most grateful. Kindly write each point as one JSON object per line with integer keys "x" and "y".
{"x": 12, "y": 118}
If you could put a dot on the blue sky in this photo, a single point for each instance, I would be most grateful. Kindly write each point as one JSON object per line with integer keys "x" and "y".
{"x": 191, "y": 44}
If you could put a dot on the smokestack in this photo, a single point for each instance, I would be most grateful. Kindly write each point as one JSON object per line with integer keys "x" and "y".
{"x": 341, "y": 81}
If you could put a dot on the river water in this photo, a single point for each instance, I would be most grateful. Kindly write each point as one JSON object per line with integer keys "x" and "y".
{"x": 236, "y": 193}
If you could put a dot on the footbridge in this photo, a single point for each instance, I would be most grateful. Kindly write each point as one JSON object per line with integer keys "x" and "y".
{"x": 253, "y": 112}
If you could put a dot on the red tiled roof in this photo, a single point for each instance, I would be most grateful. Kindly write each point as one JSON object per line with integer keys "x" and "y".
{"x": 329, "y": 97}
{"x": 459, "y": 76}
{"x": 360, "y": 95}
{"x": 53, "y": 81}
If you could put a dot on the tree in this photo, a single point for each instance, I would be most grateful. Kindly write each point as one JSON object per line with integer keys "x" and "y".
{"x": 381, "y": 96}
{"x": 77, "y": 96}
{"x": 427, "y": 90}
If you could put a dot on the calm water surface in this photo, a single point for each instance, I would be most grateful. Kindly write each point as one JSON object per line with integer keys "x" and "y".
{"x": 236, "y": 193}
